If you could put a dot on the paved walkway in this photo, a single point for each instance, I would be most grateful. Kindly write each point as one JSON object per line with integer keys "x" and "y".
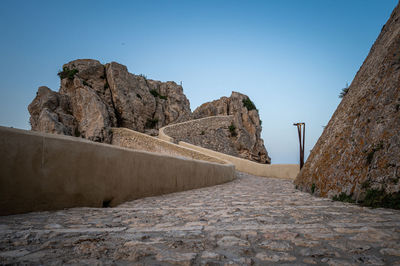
{"x": 252, "y": 220}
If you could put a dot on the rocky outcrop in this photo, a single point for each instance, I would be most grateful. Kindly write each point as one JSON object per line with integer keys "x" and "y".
{"x": 95, "y": 97}
{"x": 357, "y": 157}
{"x": 244, "y": 132}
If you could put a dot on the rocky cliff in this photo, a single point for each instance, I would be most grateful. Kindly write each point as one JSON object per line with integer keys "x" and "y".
{"x": 357, "y": 157}
{"x": 95, "y": 97}
{"x": 244, "y": 134}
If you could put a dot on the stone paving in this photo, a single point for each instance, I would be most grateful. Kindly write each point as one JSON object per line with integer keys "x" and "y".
{"x": 251, "y": 220}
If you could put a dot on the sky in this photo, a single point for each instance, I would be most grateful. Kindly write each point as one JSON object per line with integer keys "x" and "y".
{"x": 292, "y": 58}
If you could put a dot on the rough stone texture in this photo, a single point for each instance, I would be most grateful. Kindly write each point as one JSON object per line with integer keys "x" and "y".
{"x": 248, "y": 142}
{"x": 250, "y": 221}
{"x": 135, "y": 105}
{"x": 210, "y": 132}
{"x": 98, "y": 97}
{"x": 51, "y": 112}
{"x": 359, "y": 150}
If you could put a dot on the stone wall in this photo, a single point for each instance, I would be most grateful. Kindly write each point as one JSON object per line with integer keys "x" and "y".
{"x": 357, "y": 156}
{"x": 40, "y": 172}
{"x": 210, "y": 132}
{"x": 127, "y": 138}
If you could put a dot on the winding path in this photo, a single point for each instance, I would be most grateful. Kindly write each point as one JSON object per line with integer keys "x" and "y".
{"x": 251, "y": 220}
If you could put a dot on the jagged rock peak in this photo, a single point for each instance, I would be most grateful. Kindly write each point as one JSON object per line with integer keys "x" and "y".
{"x": 357, "y": 157}
{"x": 247, "y": 140}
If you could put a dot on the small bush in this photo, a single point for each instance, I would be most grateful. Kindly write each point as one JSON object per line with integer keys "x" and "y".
{"x": 151, "y": 123}
{"x": 202, "y": 132}
{"x": 344, "y": 91}
{"x": 106, "y": 86}
{"x": 379, "y": 198}
{"x": 248, "y": 104}
{"x": 143, "y": 76}
{"x": 67, "y": 73}
{"x": 343, "y": 197}
{"x": 313, "y": 188}
{"x": 154, "y": 93}
{"x": 232, "y": 130}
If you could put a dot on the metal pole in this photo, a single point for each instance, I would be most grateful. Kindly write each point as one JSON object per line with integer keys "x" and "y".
{"x": 301, "y": 141}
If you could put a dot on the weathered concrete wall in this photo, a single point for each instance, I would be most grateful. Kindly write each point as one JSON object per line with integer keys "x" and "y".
{"x": 127, "y": 138}
{"x": 286, "y": 171}
{"x": 41, "y": 171}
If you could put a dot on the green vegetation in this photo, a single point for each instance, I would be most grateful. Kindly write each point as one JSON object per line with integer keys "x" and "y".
{"x": 232, "y": 130}
{"x": 156, "y": 94}
{"x": 151, "y": 123}
{"x": 370, "y": 155}
{"x": 343, "y": 197}
{"x": 379, "y": 198}
{"x": 67, "y": 73}
{"x": 248, "y": 104}
{"x": 143, "y": 76}
{"x": 313, "y": 188}
{"x": 344, "y": 91}
{"x": 374, "y": 198}
{"x": 106, "y": 86}
{"x": 202, "y": 132}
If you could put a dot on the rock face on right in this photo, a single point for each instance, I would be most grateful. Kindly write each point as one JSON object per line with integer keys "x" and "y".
{"x": 245, "y": 137}
{"x": 357, "y": 157}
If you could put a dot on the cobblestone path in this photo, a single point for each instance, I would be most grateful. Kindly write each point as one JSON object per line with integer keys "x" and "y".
{"x": 251, "y": 220}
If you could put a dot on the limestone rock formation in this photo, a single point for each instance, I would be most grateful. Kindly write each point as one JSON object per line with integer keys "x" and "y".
{"x": 95, "y": 97}
{"x": 357, "y": 156}
{"x": 246, "y": 140}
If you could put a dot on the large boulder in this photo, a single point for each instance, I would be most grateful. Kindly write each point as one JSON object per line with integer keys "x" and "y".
{"x": 246, "y": 126}
{"x": 93, "y": 98}
{"x": 357, "y": 156}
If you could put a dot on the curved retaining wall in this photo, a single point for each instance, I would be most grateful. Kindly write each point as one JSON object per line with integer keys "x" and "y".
{"x": 41, "y": 171}
{"x": 286, "y": 171}
{"x": 127, "y": 138}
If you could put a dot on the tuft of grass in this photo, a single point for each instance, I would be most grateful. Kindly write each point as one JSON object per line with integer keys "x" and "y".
{"x": 313, "y": 188}
{"x": 202, "y": 132}
{"x": 344, "y": 91}
{"x": 151, "y": 122}
{"x": 232, "y": 130}
{"x": 344, "y": 198}
{"x": 249, "y": 104}
{"x": 67, "y": 73}
{"x": 156, "y": 94}
{"x": 370, "y": 155}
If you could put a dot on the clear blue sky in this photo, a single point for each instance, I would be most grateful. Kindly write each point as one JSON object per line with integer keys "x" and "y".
{"x": 291, "y": 57}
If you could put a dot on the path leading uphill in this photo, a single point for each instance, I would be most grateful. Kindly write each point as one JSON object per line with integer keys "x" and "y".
{"x": 251, "y": 220}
